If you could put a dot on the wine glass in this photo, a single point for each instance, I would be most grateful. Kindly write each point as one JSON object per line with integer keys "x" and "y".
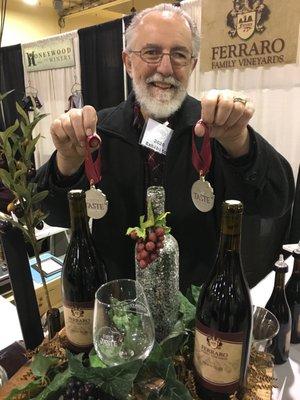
{"x": 123, "y": 328}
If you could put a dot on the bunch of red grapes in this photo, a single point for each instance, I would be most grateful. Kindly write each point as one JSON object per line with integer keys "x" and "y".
{"x": 148, "y": 248}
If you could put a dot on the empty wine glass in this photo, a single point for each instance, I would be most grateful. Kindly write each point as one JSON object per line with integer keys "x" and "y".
{"x": 123, "y": 327}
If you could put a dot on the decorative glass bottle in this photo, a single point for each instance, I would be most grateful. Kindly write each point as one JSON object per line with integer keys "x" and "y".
{"x": 160, "y": 278}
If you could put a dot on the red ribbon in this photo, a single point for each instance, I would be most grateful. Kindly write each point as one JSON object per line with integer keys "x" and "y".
{"x": 92, "y": 168}
{"x": 202, "y": 159}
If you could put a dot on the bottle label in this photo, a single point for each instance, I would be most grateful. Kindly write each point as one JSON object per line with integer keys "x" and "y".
{"x": 79, "y": 323}
{"x": 217, "y": 358}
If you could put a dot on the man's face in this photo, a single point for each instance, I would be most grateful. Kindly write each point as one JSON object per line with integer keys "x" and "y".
{"x": 160, "y": 88}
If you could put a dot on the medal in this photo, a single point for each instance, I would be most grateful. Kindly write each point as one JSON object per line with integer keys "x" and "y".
{"x": 96, "y": 203}
{"x": 202, "y": 193}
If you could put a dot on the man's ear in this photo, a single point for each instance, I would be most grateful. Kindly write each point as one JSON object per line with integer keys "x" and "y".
{"x": 195, "y": 60}
{"x": 127, "y": 62}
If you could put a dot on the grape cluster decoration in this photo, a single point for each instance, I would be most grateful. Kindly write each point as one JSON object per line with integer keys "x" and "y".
{"x": 149, "y": 236}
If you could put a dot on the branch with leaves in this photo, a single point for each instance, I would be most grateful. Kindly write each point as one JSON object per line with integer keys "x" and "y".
{"x": 17, "y": 147}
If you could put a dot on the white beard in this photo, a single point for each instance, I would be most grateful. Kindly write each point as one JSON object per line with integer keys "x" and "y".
{"x": 165, "y": 102}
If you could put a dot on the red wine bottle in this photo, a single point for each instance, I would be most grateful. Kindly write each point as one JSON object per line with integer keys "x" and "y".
{"x": 83, "y": 272}
{"x": 278, "y": 305}
{"x": 224, "y": 316}
{"x": 292, "y": 291}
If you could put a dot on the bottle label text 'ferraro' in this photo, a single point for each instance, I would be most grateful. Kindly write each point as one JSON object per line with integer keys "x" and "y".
{"x": 79, "y": 325}
{"x": 217, "y": 359}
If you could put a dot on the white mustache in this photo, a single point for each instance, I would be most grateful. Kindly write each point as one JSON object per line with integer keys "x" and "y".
{"x": 160, "y": 78}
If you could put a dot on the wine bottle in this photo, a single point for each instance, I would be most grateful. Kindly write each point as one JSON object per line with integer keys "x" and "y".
{"x": 224, "y": 316}
{"x": 292, "y": 291}
{"x": 278, "y": 305}
{"x": 160, "y": 278}
{"x": 82, "y": 274}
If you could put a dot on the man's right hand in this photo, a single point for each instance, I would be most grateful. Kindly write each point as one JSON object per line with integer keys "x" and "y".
{"x": 69, "y": 133}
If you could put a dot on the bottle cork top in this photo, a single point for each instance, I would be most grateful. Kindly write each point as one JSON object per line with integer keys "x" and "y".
{"x": 281, "y": 265}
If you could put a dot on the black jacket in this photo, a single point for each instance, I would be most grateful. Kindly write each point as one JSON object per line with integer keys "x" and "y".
{"x": 263, "y": 181}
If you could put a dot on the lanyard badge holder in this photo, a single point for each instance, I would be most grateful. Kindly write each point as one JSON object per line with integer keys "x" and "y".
{"x": 96, "y": 202}
{"x": 202, "y": 193}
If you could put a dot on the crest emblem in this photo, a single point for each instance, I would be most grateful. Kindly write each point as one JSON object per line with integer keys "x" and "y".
{"x": 247, "y": 17}
{"x": 214, "y": 343}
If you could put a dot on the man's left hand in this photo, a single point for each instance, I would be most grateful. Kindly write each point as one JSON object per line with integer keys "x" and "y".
{"x": 227, "y": 114}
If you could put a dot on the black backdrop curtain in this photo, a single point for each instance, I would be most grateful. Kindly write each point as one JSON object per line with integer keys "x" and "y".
{"x": 127, "y": 21}
{"x": 11, "y": 77}
{"x": 102, "y": 79}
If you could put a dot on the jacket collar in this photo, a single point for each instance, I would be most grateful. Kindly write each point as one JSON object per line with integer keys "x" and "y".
{"x": 119, "y": 120}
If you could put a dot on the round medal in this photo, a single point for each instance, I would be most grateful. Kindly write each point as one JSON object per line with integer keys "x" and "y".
{"x": 203, "y": 195}
{"x": 96, "y": 203}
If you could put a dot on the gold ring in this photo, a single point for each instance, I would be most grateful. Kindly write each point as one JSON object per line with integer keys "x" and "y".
{"x": 239, "y": 100}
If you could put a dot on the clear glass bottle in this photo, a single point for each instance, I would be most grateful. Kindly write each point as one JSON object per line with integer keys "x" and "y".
{"x": 160, "y": 279}
{"x": 292, "y": 291}
{"x": 278, "y": 305}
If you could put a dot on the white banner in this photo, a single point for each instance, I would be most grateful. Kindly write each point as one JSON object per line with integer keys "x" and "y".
{"x": 50, "y": 54}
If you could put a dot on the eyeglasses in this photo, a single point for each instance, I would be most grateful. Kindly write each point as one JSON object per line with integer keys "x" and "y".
{"x": 152, "y": 55}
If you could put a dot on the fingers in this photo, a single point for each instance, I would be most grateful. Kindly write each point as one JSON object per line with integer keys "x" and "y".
{"x": 74, "y": 126}
{"x": 225, "y": 109}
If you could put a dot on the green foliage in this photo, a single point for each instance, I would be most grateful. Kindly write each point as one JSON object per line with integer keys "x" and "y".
{"x": 17, "y": 147}
{"x": 118, "y": 381}
{"x": 151, "y": 222}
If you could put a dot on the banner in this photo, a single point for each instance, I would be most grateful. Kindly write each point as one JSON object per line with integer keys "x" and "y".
{"x": 48, "y": 54}
{"x": 248, "y": 33}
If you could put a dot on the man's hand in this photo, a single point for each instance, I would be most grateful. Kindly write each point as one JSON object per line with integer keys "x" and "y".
{"x": 227, "y": 114}
{"x": 69, "y": 133}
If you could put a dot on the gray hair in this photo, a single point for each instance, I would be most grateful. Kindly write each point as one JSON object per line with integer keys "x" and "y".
{"x": 129, "y": 34}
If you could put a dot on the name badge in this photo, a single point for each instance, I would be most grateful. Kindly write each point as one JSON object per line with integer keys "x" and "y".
{"x": 156, "y": 136}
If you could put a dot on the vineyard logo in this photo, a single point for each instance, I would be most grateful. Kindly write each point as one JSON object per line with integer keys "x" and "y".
{"x": 247, "y": 17}
{"x": 213, "y": 342}
{"x": 76, "y": 312}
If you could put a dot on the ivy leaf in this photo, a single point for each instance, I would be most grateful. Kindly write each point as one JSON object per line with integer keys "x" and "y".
{"x": 41, "y": 364}
{"x": 28, "y": 390}
{"x": 56, "y": 385}
{"x": 174, "y": 342}
{"x": 193, "y": 294}
{"x": 95, "y": 361}
{"x": 22, "y": 113}
{"x": 173, "y": 390}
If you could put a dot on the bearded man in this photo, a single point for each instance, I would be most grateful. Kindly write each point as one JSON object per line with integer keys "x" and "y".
{"x": 162, "y": 45}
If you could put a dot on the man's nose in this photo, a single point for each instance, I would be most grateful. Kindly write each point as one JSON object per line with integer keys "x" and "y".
{"x": 165, "y": 66}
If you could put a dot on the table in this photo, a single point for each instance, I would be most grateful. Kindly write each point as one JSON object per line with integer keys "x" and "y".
{"x": 260, "y": 294}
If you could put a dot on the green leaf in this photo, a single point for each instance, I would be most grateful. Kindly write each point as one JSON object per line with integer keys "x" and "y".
{"x": 187, "y": 309}
{"x": 117, "y": 380}
{"x": 95, "y": 361}
{"x": 36, "y": 120}
{"x": 193, "y": 294}
{"x": 31, "y": 147}
{"x": 172, "y": 344}
{"x": 29, "y": 389}
{"x": 9, "y": 131}
{"x": 6, "y": 178}
{"x": 41, "y": 364}
{"x": 173, "y": 390}
{"x": 2, "y": 96}
{"x": 22, "y": 113}
{"x": 56, "y": 385}
{"x": 38, "y": 197}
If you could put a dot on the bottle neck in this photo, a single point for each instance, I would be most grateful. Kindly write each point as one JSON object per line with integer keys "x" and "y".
{"x": 79, "y": 220}
{"x": 296, "y": 267}
{"x": 279, "y": 283}
{"x": 231, "y": 232}
{"x": 156, "y": 197}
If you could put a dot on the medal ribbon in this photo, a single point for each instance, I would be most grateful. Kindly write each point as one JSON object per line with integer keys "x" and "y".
{"x": 92, "y": 168}
{"x": 202, "y": 159}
